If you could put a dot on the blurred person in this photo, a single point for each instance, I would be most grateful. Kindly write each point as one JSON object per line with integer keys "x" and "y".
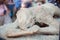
{"x": 17, "y": 7}
{"x": 38, "y": 2}
{"x": 4, "y": 13}
{"x": 27, "y": 3}
{"x": 55, "y": 2}
{"x": 23, "y": 5}
{"x": 17, "y": 3}
{"x": 11, "y": 7}
{"x": 30, "y": 3}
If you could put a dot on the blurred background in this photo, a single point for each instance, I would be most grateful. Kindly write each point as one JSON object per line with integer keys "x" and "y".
{"x": 9, "y": 8}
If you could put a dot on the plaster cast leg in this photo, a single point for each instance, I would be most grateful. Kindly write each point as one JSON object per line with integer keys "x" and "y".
{"x": 29, "y": 31}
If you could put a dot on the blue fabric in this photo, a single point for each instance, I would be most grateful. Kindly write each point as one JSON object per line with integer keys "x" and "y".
{"x": 11, "y": 14}
{"x": 10, "y": 6}
{"x": 11, "y": 9}
{"x": 17, "y": 3}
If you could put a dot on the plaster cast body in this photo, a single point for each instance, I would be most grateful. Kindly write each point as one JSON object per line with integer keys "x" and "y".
{"x": 26, "y": 18}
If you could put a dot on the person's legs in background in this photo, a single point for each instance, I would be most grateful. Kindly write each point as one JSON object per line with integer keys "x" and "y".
{"x": 1, "y": 20}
